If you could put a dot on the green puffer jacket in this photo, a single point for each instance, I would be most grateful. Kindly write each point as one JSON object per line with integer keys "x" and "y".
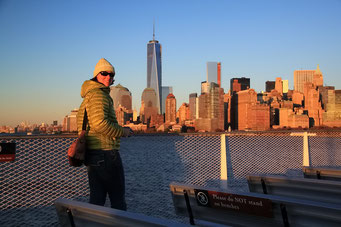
{"x": 103, "y": 131}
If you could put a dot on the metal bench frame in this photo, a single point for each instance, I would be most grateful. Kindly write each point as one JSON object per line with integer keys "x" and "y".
{"x": 285, "y": 211}
{"x": 322, "y": 173}
{"x": 74, "y": 213}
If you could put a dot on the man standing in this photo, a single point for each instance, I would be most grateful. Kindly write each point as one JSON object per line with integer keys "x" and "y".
{"x": 103, "y": 161}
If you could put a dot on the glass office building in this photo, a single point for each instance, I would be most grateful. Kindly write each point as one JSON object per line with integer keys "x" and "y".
{"x": 154, "y": 74}
{"x": 165, "y": 92}
{"x": 212, "y": 72}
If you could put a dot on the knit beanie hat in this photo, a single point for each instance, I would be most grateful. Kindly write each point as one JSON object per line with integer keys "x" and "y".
{"x": 103, "y": 65}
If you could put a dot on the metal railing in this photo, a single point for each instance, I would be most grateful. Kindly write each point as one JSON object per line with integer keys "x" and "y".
{"x": 41, "y": 173}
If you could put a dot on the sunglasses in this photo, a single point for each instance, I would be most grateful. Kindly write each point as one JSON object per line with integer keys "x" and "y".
{"x": 104, "y": 73}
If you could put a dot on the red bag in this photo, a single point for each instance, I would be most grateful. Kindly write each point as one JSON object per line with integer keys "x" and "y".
{"x": 76, "y": 152}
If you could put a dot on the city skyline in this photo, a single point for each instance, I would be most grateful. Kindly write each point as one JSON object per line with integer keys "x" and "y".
{"x": 51, "y": 48}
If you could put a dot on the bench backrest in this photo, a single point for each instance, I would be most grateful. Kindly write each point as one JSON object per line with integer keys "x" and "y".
{"x": 251, "y": 209}
{"x": 75, "y": 213}
{"x": 301, "y": 188}
{"x": 322, "y": 173}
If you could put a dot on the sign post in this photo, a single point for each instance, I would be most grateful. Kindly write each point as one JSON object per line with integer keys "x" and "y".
{"x": 7, "y": 152}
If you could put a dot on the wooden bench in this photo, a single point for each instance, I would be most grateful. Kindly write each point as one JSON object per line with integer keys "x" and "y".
{"x": 301, "y": 188}
{"x": 75, "y": 213}
{"x": 322, "y": 173}
{"x": 251, "y": 209}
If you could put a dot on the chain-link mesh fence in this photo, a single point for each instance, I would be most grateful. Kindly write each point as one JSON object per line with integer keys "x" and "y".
{"x": 41, "y": 174}
{"x": 152, "y": 162}
{"x": 325, "y": 149}
{"x": 275, "y": 154}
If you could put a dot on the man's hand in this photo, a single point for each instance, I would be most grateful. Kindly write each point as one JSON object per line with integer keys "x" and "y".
{"x": 127, "y": 132}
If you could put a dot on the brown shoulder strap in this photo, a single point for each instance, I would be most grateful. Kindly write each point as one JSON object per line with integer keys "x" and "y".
{"x": 85, "y": 120}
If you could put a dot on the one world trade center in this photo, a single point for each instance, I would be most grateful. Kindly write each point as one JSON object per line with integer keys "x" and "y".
{"x": 154, "y": 74}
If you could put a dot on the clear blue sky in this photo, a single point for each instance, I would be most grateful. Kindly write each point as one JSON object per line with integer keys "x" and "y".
{"x": 48, "y": 48}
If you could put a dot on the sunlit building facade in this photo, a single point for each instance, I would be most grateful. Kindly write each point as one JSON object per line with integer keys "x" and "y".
{"x": 148, "y": 104}
{"x": 204, "y": 87}
{"x": 279, "y": 85}
{"x": 211, "y": 110}
{"x": 170, "y": 109}
{"x": 250, "y": 113}
{"x": 70, "y": 122}
{"x": 303, "y": 76}
{"x": 121, "y": 96}
{"x": 184, "y": 113}
{"x": 192, "y": 105}
{"x": 285, "y": 86}
{"x": 332, "y": 116}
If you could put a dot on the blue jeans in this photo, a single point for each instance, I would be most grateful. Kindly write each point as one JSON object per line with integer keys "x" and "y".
{"x": 106, "y": 176}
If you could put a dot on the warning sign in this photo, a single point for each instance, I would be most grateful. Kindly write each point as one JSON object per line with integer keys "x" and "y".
{"x": 240, "y": 203}
{"x": 7, "y": 152}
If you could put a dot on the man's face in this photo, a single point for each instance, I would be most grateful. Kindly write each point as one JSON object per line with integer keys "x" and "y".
{"x": 105, "y": 77}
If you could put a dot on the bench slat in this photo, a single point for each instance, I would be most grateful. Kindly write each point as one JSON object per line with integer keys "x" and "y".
{"x": 85, "y": 214}
{"x": 302, "y": 188}
{"x": 322, "y": 173}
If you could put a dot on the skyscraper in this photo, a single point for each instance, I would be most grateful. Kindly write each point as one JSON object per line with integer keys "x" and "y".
{"x": 219, "y": 73}
{"x": 122, "y": 99}
{"x": 184, "y": 113}
{"x": 285, "y": 86}
{"x": 121, "y": 96}
{"x": 251, "y": 114}
{"x": 204, "y": 87}
{"x": 154, "y": 75}
{"x": 211, "y": 109}
{"x": 244, "y": 84}
{"x": 214, "y": 72}
{"x": 269, "y": 85}
{"x": 165, "y": 92}
{"x": 170, "y": 109}
{"x": 192, "y": 105}
{"x": 303, "y": 76}
{"x": 279, "y": 85}
{"x": 148, "y": 104}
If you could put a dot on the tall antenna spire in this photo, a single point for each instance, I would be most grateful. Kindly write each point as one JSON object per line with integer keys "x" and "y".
{"x": 153, "y": 29}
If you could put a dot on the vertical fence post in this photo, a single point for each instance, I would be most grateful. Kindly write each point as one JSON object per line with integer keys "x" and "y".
{"x": 223, "y": 163}
{"x": 306, "y": 157}
{"x": 306, "y": 161}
